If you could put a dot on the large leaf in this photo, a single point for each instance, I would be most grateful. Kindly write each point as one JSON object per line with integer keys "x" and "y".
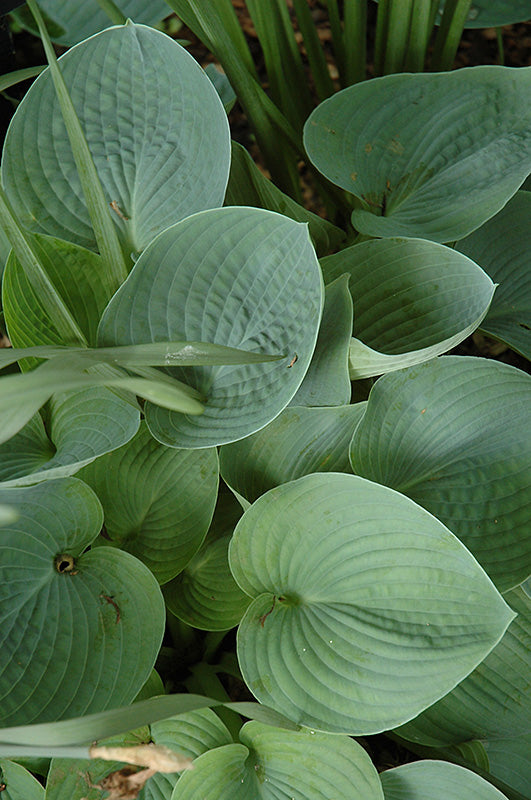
{"x": 494, "y": 701}
{"x": 503, "y": 248}
{"x": 205, "y": 595}
{"x": 70, "y": 21}
{"x": 298, "y": 442}
{"x": 157, "y": 501}
{"x": 327, "y": 382}
{"x": 18, "y": 783}
{"x": 82, "y": 629}
{"x": 432, "y": 156}
{"x": 454, "y": 434}
{"x": 248, "y": 186}
{"x": 413, "y": 300}
{"x": 274, "y": 764}
{"x": 240, "y": 277}
{"x": 155, "y": 126}
{"x": 80, "y": 427}
{"x": 494, "y": 13}
{"x": 358, "y": 617}
{"x": 510, "y": 761}
{"x": 436, "y": 780}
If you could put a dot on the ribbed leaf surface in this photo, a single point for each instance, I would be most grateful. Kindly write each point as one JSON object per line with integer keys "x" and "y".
{"x": 155, "y": 126}
{"x": 359, "y": 615}
{"x": 437, "y": 780}
{"x": 454, "y": 434}
{"x": 82, "y": 629}
{"x": 429, "y": 155}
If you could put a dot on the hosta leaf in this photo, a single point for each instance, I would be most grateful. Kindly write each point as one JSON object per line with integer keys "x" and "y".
{"x": 437, "y": 780}
{"x": 69, "y": 21}
{"x": 327, "y": 382}
{"x": 189, "y": 734}
{"x": 82, "y": 629}
{"x": 432, "y": 156}
{"x": 79, "y": 278}
{"x": 299, "y": 441}
{"x": 494, "y": 13}
{"x": 275, "y": 764}
{"x": 157, "y": 501}
{"x": 155, "y": 126}
{"x": 80, "y": 427}
{"x": 503, "y": 248}
{"x": 510, "y": 761}
{"x": 248, "y": 186}
{"x": 19, "y": 784}
{"x": 454, "y": 434}
{"x": 240, "y": 277}
{"x": 494, "y": 701}
{"x": 222, "y": 86}
{"x": 359, "y": 616}
{"x": 413, "y": 300}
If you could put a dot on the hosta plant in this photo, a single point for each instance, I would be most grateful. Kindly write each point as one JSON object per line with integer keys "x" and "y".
{"x": 253, "y": 510}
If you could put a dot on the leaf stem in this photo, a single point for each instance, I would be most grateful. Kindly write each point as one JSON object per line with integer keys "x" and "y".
{"x": 355, "y": 35}
{"x": 112, "y": 11}
{"x": 449, "y": 34}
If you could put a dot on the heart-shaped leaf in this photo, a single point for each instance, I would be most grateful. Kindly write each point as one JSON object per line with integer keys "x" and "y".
{"x": 240, "y": 277}
{"x": 327, "y": 382}
{"x": 503, "y": 248}
{"x": 298, "y": 442}
{"x": 494, "y": 701}
{"x": 155, "y": 126}
{"x": 80, "y": 427}
{"x": 83, "y": 628}
{"x": 358, "y": 617}
{"x": 413, "y": 300}
{"x": 18, "y": 783}
{"x": 454, "y": 434}
{"x": 428, "y": 155}
{"x": 157, "y": 501}
{"x": 275, "y": 764}
{"x": 437, "y": 780}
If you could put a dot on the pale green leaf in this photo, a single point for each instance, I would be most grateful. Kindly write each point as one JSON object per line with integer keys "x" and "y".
{"x": 9, "y": 79}
{"x": 157, "y": 501}
{"x": 427, "y": 155}
{"x": 454, "y": 434}
{"x": 436, "y": 780}
{"x": 503, "y": 248}
{"x": 240, "y": 277}
{"x": 358, "y": 616}
{"x": 222, "y": 86}
{"x": 155, "y": 127}
{"x": 275, "y": 764}
{"x": 494, "y": 13}
{"x": 510, "y": 761}
{"x": 298, "y": 442}
{"x": 83, "y": 628}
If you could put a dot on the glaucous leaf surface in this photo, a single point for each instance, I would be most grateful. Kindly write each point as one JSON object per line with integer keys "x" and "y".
{"x": 494, "y": 701}
{"x": 437, "y": 780}
{"x": 454, "y": 434}
{"x": 79, "y": 279}
{"x": 359, "y": 615}
{"x": 248, "y": 186}
{"x": 298, "y": 442}
{"x": 413, "y": 300}
{"x": 275, "y": 764}
{"x": 19, "y": 784}
{"x": 155, "y": 126}
{"x": 240, "y": 277}
{"x": 157, "y": 501}
{"x": 190, "y": 735}
{"x": 428, "y": 155}
{"x": 494, "y": 13}
{"x": 83, "y": 628}
{"x": 503, "y": 248}
{"x": 70, "y": 21}
{"x": 80, "y": 426}
{"x": 327, "y": 382}
{"x": 510, "y": 761}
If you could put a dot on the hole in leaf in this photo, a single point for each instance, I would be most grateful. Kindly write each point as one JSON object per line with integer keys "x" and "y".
{"x": 65, "y": 563}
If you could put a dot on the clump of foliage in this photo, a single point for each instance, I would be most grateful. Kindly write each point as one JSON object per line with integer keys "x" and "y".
{"x": 221, "y": 410}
